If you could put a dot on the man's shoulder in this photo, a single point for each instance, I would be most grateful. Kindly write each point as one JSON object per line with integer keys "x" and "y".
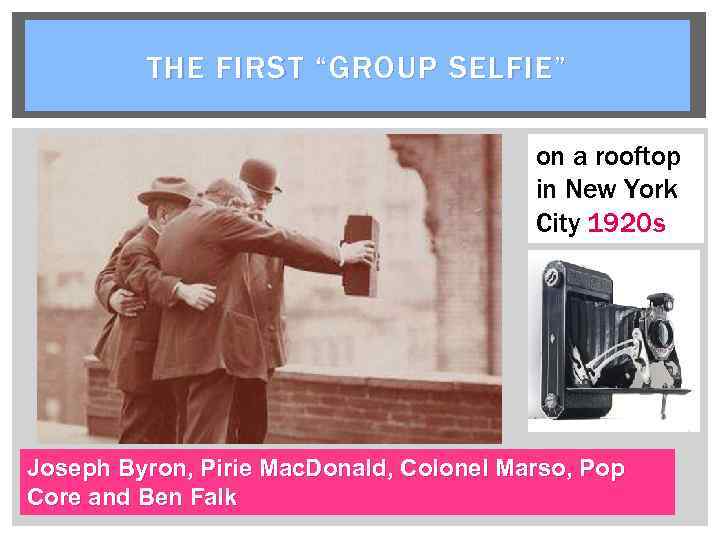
{"x": 133, "y": 231}
{"x": 223, "y": 216}
{"x": 138, "y": 245}
{"x": 198, "y": 213}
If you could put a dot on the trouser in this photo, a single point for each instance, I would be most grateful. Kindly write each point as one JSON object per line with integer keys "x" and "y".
{"x": 218, "y": 408}
{"x": 250, "y": 416}
{"x": 148, "y": 416}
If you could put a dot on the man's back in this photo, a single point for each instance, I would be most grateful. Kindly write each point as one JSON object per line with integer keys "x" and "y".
{"x": 202, "y": 245}
{"x": 189, "y": 247}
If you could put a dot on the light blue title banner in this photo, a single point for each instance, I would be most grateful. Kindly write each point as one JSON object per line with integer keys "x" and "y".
{"x": 357, "y": 65}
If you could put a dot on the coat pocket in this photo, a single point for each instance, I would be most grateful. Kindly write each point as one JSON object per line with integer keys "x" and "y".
{"x": 240, "y": 342}
{"x": 138, "y": 371}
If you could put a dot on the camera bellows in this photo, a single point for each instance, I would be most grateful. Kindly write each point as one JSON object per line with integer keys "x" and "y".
{"x": 596, "y": 328}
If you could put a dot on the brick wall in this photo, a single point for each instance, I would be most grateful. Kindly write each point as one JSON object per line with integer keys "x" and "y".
{"x": 312, "y": 408}
{"x": 102, "y": 403}
{"x": 462, "y": 178}
{"x": 320, "y": 408}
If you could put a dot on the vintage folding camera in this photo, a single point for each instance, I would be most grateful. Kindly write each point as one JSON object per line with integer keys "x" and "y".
{"x": 593, "y": 348}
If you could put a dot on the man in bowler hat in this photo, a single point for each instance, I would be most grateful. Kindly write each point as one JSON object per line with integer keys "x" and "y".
{"x": 220, "y": 361}
{"x": 265, "y": 281}
{"x": 148, "y": 409}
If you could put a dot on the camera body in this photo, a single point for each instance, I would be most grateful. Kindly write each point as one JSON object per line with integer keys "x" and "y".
{"x": 359, "y": 279}
{"x": 593, "y": 347}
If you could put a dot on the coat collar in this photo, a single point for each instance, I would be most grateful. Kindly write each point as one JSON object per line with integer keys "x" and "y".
{"x": 150, "y": 235}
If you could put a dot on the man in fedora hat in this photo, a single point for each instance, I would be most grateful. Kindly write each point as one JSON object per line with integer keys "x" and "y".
{"x": 148, "y": 410}
{"x": 220, "y": 361}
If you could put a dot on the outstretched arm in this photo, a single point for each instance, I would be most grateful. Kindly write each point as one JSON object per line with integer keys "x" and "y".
{"x": 237, "y": 233}
{"x": 309, "y": 264}
{"x": 353, "y": 253}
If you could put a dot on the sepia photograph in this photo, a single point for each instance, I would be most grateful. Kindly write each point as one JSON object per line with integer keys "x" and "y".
{"x": 268, "y": 287}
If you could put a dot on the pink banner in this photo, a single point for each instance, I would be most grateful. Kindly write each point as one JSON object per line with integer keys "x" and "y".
{"x": 347, "y": 482}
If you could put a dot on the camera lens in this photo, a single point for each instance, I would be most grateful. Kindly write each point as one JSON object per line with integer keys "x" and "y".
{"x": 661, "y": 333}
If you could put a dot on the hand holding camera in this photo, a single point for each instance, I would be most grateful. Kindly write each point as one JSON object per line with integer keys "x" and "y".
{"x": 358, "y": 252}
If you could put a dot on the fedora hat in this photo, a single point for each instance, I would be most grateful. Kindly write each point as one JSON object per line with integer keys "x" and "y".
{"x": 260, "y": 175}
{"x": 169, "y": 188}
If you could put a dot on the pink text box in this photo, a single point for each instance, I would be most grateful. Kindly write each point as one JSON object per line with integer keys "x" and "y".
{"x": 350, "y": 482}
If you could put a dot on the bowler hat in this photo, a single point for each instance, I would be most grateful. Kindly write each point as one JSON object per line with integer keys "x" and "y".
{"x": 260, "y": 176}
{"x": 169, "y": 188}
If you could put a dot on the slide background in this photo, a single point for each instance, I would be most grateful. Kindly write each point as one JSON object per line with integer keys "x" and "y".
{"x": 693, "y": 499}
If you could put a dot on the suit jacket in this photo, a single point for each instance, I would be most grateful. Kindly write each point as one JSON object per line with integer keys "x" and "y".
{"x": 241, "y": 332}
{"x": 106, "y": 285}
{"x": 132, "y": 341}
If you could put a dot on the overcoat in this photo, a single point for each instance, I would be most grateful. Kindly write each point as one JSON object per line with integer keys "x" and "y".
{"x": 106, "y": 285}
{"x": 243, "y": 332}
{"x": 132, "y": 342}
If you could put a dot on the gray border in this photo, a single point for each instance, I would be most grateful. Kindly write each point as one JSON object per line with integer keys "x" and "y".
{"x": 691, "y": 448}
{"x": 697, "y": 64}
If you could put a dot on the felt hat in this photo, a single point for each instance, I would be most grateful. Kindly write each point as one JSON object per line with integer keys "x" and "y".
{"x": 169, "y": 188}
